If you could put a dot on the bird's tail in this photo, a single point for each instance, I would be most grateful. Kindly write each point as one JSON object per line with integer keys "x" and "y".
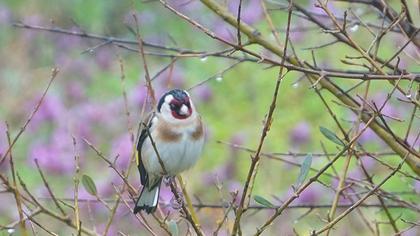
{"x": 148, "y": 199}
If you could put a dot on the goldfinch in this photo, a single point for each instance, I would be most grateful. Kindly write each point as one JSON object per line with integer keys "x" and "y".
{"x": 177, "y": 132}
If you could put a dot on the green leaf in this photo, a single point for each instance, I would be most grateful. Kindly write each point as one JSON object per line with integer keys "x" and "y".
{"x": 89, "y": 185}
{"x": 304, "y": 170}
{"x": 331, "y": 136}
{"x": 263, "y": 201}
{"x": 173, "y": 227}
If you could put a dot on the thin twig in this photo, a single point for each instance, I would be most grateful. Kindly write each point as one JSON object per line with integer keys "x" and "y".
{"x": 54, "y": 73}
{"x": 361, "y": 200}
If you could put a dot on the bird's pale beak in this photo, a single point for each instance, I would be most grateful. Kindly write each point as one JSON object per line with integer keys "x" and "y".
{"x": 184, "y": 110}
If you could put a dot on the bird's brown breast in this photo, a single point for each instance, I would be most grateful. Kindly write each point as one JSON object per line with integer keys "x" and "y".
{"x": 198, "y": 131}
{"x": 166, "y": 133}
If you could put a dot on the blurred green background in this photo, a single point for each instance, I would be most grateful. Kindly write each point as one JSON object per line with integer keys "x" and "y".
{"x": 86, "y": 101}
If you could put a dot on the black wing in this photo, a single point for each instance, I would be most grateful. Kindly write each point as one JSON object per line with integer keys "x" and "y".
{"x": 143, "y": 135}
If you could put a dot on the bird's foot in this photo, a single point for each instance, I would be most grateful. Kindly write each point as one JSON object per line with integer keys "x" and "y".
{"x": 176, "y": 204}
{"x": 168, "y": 179}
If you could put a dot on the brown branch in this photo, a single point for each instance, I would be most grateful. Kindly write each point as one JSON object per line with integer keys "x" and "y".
{"x": 64, "y": 219}
{"x": 145, "y": 67}
{"x": 413, "y": 159}
{"x": 185, "y": 53}
{"x": 16, "y": 192}
{"x": 201, "y": 205}
{"x": 238, "y": 20}
{"x": 81, "y": 34}
{"x": 76, "y": 180}
{"x": 253, "y": 169}
{"x": 47, "y": 186}
{"x": 132, "y": 190}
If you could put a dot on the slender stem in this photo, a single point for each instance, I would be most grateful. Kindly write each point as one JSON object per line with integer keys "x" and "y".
{"x": 188, "y": 200}
{"x": 361, "y": 200}
{"x": 76, "y": 180}
{"x": 413, "y": 159}
{"x": 16, "y": 192}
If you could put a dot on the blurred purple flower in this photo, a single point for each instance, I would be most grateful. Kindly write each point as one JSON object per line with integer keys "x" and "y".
{"x": 298, "y": 36}
{"x": 165, "y": 194}
{"x": 356, "y": 174}
{"x": 251, "y": 11}
{"x": 51, "y": 109}
{"x": 343, "y": 199}
{"x": 3, "y": 138}
{"x": 67, "y": 42}
{"x": 3, "y": 145}
{"x": 80, "y": 67}
{"x": 167, "y": 200}
{"x": 411, "y": 49}
{"x": 79, "y": 127}
{"x": 300, "y": 134}
{"x": 237, "y": 139}
{"x": 105, "y": 186}
{"x": 92, "y": 112}
{"x": 413, "y": 141}
{"x": 310, "y": 195}
{"x": 104, "y": 58}
{"x": 313, "y": 7}
{"x": 112, "y": 230}
{"x": 367, "y": 136}
{"x": 368, "y": 162}
{"x": 411, "y": 232}
{"x": 389, "y": 109}
{"x": 144, "y": 17}
{"x": 29, "y": 35}
{"x": 203, "y": 93}
{"x": 57, "y": 156}
{"x": 42, "y": 191}
{"x": 171, "y": 79}
{"x": 137, "y": 96}
{"x": 5, "y": 207}
{"x": 5, "y": 165}
{"x": 228, "y": 170}
{"x": 46, "y": 156}
{"x": 186, "y": 6}
{"x": 221, "y": 174}
{"x": 5, "y": 15}
{"x": 122, "y": 146}
{"x": 75, "y": 90}
{"x": 226, "y": 32}
{"x": 416, "y": 186}
{"x": 233, "y": 186}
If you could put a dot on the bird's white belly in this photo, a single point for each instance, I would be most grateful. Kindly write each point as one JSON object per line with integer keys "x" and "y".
{"x": 176, "y": 156}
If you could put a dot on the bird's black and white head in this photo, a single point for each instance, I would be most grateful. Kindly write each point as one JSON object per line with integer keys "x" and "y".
{"x": 176, "y": 105}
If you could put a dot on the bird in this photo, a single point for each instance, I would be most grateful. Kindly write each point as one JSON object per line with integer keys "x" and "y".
{"x": 172, "y": 136}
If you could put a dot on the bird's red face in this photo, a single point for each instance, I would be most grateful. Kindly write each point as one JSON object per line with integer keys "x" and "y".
{"x": 181, "y": 107}
{"x": 176, "y": 104}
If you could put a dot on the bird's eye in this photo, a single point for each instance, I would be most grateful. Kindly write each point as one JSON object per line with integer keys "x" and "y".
{"x": 172, "y": 106}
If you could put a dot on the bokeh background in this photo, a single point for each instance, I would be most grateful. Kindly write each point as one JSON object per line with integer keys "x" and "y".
{"x": 86, "y": 101}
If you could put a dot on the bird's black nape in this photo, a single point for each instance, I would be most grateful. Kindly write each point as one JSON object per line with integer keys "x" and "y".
{"x": 178, "y": 94}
